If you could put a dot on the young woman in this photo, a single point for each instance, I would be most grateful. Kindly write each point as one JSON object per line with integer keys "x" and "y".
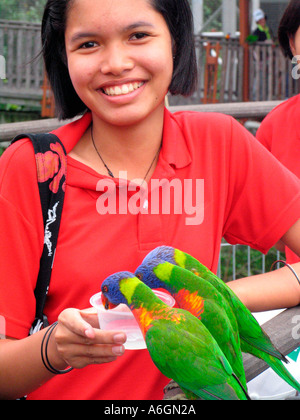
{"x": 284, "y": 143}
{"x": 115, "y": 61}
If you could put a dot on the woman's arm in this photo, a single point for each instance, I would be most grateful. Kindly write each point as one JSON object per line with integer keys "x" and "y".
{"x": 276, "y": 289}
{"x": 74, "y": 342}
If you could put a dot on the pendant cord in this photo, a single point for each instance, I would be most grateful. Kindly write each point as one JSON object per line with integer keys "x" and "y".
{"x": 107, "y": 168}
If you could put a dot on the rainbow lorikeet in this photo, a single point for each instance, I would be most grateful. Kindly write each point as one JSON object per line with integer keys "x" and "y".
{"x": 179, "y": 344}
{"x": 202, "y": 300}
{"x": 253, "y": 339}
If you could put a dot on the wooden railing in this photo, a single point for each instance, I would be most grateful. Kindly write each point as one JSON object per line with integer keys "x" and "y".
{"x": 20, "y": 45}
{"x": 270, "y": 74}
{"x": 220, "y": 65}
{"x": 243, "y": 110}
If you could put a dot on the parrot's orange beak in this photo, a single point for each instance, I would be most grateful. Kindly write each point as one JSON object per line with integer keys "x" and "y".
{"x": 106, "y": 303}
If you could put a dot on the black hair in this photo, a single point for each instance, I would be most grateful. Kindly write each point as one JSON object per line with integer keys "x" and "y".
{"x": 288, "y": 26}
{"x": 179, "y": 18}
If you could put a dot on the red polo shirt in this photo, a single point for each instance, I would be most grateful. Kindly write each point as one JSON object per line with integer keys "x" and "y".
{"x": 221, "y": 168}
{"x": 280, "y": 134}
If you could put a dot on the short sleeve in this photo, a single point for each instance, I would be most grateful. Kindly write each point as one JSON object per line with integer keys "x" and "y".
{"x": 263, "y": 196}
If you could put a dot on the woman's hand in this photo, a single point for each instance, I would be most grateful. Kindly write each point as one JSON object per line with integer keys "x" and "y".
{"x": 78, "y": 342}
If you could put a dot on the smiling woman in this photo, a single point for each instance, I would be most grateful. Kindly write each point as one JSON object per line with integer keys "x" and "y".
{"x": 122, "y": 67}
{"x": 178, "y": 18}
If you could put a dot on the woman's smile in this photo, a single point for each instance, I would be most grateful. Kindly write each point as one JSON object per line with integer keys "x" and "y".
{"x": 122, "y": 89}
{"x": 122, "y": 67}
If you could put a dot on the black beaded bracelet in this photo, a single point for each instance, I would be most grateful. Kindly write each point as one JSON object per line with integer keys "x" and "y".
{"x": 287, "y": 265}
{"x": 44, "y": 353}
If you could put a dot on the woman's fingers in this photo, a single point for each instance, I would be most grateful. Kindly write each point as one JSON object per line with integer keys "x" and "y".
{"x": 79, "y": 344}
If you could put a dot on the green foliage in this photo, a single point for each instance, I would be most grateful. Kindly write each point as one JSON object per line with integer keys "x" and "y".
{"x": 209, "y": 7}
{"x": 25, "y": 10}
{"x": 251, "y": 39}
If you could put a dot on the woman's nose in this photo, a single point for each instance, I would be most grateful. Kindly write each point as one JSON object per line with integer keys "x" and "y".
{"x": 116, "y": 60}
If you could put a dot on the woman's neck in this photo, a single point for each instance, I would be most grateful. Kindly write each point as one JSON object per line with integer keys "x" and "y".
{"x": 122, "y": 148}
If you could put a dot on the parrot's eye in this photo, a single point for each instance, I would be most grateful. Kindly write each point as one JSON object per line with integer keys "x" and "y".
{"x": 105, "y": 289}
{"x": 140, "y": 276}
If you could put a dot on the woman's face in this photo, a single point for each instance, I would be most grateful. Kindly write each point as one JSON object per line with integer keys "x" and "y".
{"x": 295, "y": 43}
{"x": 119, "y": 57}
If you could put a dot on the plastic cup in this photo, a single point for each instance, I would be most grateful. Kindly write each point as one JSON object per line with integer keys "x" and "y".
{"x": 122, "y": 319}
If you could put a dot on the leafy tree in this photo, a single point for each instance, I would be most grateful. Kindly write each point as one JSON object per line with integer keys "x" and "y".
{"x": 209, "y": 7}
{"x": 25, "y": 10}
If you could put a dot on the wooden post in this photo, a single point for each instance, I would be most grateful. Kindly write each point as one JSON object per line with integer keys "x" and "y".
{"x": 211, "y": 73}
{"x": 244, "y": 31}
{"x": 48, "y": 104}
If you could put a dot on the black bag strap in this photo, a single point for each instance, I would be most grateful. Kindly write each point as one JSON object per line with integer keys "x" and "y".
{"x": 51, "y": 161}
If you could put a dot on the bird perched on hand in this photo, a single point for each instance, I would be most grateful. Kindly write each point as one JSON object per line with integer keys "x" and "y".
{"x": 201, "y": 299}
{"x": 253, "y": 339}
{"x": 179, "y": 344}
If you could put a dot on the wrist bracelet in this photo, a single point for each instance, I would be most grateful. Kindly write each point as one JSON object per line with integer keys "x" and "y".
{"x": 287, "y": 265}
{"x": 44, "y": 353}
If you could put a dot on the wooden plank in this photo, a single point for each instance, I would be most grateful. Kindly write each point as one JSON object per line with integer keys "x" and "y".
{"x": 264, "y": 73}
{"x": 9, "y": 131}
{"x": 244, "y": 32}
{"x": 271, "y": 73}
{"x": 224, "y": 69}
{"x": 284, "y": 334}
{"x": 38, "y": 62}
{"x": 28, "y": 57}
{"x": 20, "y": 61}
{"x": 10, "y": 60}
{"x": 237, "y": 110}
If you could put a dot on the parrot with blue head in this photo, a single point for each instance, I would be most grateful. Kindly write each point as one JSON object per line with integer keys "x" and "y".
{"x": 179, "y": 344}
{"x": 252, "y": 337}
{"x": 203, "y": 301}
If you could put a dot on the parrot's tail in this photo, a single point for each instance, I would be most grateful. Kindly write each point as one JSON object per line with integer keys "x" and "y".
{"x": 282, "y": 371}
{"x": 274, "y": 363}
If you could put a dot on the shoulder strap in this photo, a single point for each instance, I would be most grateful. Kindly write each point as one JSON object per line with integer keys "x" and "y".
{"x": 51, "y": 162}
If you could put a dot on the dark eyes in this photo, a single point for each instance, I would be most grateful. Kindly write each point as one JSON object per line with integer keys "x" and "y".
{"x": 139, "y": 35}
{"x": 87, "y": 45}
{"x": 140, "y": 276}
{"x": 135, "y": 37}
{"x": 105, "y": 289}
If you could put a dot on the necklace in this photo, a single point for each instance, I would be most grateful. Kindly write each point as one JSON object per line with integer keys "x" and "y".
{"x": 107, "y": 168}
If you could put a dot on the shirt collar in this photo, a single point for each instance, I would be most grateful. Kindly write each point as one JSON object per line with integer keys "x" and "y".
{"x": 71, "y": 133}
{"x": 174, "y": 149}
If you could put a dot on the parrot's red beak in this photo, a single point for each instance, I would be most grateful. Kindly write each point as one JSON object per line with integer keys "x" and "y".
{"x": 106, "y": 303}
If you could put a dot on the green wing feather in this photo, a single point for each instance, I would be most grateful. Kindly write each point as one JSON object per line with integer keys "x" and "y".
{"x": 217, "y": 314}
{"x": 253, "y": 339}
{"x": 192, "y": 359}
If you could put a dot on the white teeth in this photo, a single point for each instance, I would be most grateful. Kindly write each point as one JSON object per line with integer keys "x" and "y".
{"x": 118, "y": 90}
{"x": 123, "y": 89}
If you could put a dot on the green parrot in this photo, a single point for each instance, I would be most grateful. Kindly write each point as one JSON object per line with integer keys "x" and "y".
{"x": 179, "y": 344}
{"x": 253, "y": 339}
{"x": 202, "y": 300}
